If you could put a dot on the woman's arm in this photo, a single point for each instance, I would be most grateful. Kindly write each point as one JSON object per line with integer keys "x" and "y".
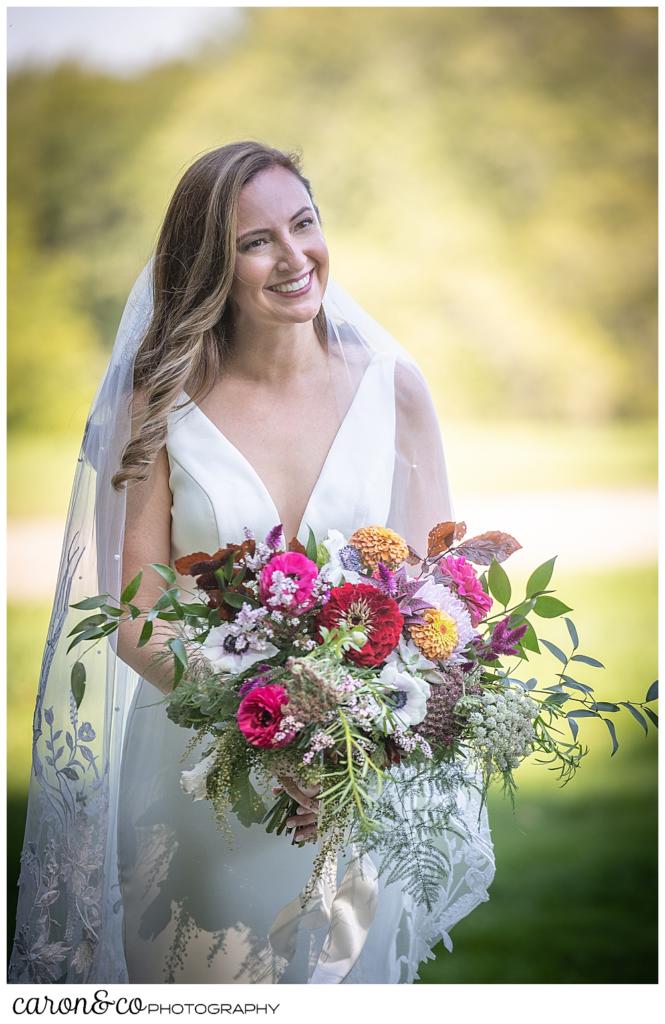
{"x": 147, "y": 539}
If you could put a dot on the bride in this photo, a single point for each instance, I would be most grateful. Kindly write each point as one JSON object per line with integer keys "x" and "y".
{"x": 245, "y": 389}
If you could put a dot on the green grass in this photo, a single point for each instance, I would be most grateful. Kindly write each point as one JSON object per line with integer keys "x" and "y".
{"x": 574, "y": 898}
{"x": 509, "y": 456}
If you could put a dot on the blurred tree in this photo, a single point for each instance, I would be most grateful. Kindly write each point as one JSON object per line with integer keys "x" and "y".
{"x": 487, "y": 179}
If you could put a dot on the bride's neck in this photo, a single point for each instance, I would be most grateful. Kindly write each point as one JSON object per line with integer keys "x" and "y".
{"x": 272, "y": 354}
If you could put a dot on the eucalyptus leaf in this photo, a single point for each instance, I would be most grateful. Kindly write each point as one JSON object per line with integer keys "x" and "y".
{"x": 582, "y": 713}
{"x": 87, "y": 623}
{"x": 651, "y": 715}
{"x": 177, "y": 647}
{"x": 312, "y": 547}
{"x": 165, "y": 571}
{"x": 131, "y": 589}
{"x": 91, "y": 602}
{"x": 78, "y": 677}
{"x": 637, "y": 715}
{"x": 570, "y": 625}
{"x": 574, "y": 727}
{"x": 553, "y": 649}
{"x": 604, "y": 705}
{"x": 586, "y": 660}
{"x": 146, "y": 633}
{"x": 613, "y": 734}
{"x": 652, "y": 692}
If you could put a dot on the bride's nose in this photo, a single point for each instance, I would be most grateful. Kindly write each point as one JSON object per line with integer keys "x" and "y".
{"x": 291, "y": 256}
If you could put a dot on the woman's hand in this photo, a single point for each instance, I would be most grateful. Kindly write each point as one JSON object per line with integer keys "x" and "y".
{"x": 306, "y": 816}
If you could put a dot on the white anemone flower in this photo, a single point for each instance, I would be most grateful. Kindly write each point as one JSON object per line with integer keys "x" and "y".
{"x": 445, "y": 600}
{"x": 408, "y": 658}
{"x": 333, "y": 570}
{"x": 229, "y": 652}
{"x": 411, "y": 694}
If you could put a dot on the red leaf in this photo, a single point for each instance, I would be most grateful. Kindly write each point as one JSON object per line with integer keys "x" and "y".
{"x": 442, "y": 536}
{"x": 486, "y": 546}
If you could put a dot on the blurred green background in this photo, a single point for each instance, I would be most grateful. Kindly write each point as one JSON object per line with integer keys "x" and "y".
{"x": 487, "y": 181}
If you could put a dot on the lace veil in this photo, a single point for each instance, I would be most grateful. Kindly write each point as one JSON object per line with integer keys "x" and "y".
{"x": 70, "y": 913}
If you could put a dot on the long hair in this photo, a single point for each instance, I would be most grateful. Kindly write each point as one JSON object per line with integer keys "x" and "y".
{"x": 191, "y": 327}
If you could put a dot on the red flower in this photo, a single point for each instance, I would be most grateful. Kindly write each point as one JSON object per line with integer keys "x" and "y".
{"x": 360, "y": 604}
{"x": 260, "y": 716}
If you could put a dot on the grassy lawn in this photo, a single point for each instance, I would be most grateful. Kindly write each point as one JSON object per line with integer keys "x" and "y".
{"x": 575, "y": 895}
{"x": 509, "y": 456}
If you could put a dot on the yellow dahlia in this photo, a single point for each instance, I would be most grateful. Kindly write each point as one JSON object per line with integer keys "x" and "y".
{"x": 437, "y": 636}
{"x": 379, "y": 544}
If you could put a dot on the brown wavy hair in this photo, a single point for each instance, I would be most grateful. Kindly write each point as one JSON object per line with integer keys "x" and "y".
{"x": 191, "y": 327}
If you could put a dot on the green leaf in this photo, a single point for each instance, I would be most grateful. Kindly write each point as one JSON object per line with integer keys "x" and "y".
{"x": 239, "y": 576}
{"x": 178, "y": 649}
{"x": 651, "y": 715}
{"x": 652, "y": 692}
{"x": 574, "y": 727}
{"x": 311, "y": 548}
{"x": 603, "y": 705}
{"x": 570, "y": 625}
{"x": 94, "y": 633}
{"x": 637, "y": 715}
{"x": 165, "y": 571}
{"x": 530, "y": 640}
{"x": 134, "y": 611}
{"x": 91, "y": 602}
{"x": 573, "y": 683}
{"x": 131, "y": 589}
{"x": 582, "y": 713}
{"x": 112, "y": 611}
{"x": 587, "y": 661}
{"x": 90, "y": 620}
{"x": 78, "y": 682}
{"x": 146, "y": 633}
{"x": 556, "y": 651}
{"x": 613, "y": 734}
{"x": 523, "y": 609}
{"x": 557, "y": 698}
{"x": 247, "y": 803}
{"x": 540, "y": 577}
{"x": 498, "y": 582}
{"x": 235, "y": 600}
{"x": 178, "y": 671}
{"x": 550, "y": 607}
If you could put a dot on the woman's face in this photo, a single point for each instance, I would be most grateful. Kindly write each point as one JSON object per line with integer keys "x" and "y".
{"x": 279, "y": 241}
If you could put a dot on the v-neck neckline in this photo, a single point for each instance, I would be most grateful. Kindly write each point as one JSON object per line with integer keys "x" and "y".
{"x": 257, "y": 477}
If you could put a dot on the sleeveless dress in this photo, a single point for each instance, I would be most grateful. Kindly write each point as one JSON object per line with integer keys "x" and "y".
{"x": 197, "y": 910}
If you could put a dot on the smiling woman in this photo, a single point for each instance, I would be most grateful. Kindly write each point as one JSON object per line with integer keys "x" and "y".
{"x": 229, "y": 404}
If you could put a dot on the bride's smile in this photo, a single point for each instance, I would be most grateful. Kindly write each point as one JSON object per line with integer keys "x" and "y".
{"x": 281, "y": 267}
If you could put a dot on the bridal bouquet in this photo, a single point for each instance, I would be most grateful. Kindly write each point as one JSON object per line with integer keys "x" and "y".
{"x": 387, "y": 679}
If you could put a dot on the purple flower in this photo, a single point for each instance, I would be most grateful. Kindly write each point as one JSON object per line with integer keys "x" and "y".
{"x": 504, "y": 638}
{"x": 275, "y": 537}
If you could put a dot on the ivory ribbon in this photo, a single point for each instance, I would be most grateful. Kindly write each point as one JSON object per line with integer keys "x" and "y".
{"x": 349, "y": 912}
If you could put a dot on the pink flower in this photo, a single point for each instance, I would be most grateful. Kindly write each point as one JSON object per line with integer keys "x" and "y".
{"x": 287, "y": 583}
{"x": 456, "y": 570}
{"x": 260, "y": 716}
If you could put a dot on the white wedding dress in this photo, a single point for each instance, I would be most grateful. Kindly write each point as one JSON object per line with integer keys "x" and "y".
{"x": 197, "y": 910}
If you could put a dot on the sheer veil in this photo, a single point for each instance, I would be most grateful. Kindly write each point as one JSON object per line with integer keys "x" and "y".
{"x": 70, "y": 912}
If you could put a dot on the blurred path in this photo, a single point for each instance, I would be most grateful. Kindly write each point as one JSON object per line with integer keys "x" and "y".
{"x": 584, "y": 528}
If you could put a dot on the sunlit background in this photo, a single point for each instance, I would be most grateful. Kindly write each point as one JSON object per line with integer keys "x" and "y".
{"x": 487, "y": 180}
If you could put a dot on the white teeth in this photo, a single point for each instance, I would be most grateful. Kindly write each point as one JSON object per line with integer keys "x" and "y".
{"x": 296, "y": 286}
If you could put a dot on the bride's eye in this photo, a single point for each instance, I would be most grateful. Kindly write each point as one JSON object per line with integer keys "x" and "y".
{"x": 305, "y": 220}
{"x": 250, "y": 245}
